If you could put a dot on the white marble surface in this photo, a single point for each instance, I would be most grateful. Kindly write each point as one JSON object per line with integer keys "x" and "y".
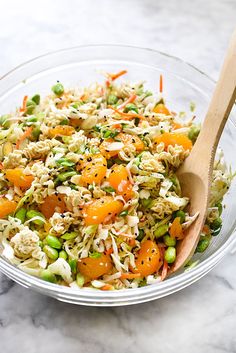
{"x": 201, "y": 318}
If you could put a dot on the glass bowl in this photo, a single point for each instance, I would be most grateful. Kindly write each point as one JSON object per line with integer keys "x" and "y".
{"x": 182, "y": 84}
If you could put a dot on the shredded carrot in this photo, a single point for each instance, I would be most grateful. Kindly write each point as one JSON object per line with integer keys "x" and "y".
{"x": 128, "y": 116}
{"x": 164, "y": 270}
{"x": 107, "y": 287}
{"x": 115, "y": 76}
{"x": 206, "y": 229}
{"x": 109, "y": 251}
{"x": 1, "y": 166}
{"x": 84, "y": 97}
{"x": 161, "y": 84}
{"x": 117, "y": 126}
{"x": 23, "y": 108}
{"x": 131, "y": 99}
{"x": 130, "y": 275}
{"x": 26, "y": 134}
{"x": 176, "y": 126}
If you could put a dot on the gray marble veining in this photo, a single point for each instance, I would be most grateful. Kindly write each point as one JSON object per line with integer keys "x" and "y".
{"x": 199, "y": 319}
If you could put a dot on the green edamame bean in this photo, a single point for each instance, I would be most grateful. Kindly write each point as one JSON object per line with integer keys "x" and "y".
{"x": 131, "y": 106}
{"x": 112, "y": 99}
{"x": 63, "y": 254}
{"x": 80, "y": 280}
{"x": 170, "y": 255}
{"x": 194, "y": 132}
{"x": 32, "y": 213}
{"x": 53, "y": 241}
{"x": 69, "y": 235}
{"x": 4, "y": 121}
{"x": 36, "y": 99}
{"x": 50, "y": 252}
{"x": 73, "y": 265}
{"x": 162, "y": 230}
{"x": 58, "y": 89}
{"x": 48, "y": 276}
{"x": 21, "y": 214}
{"x": 181, "y": 215}
{"x": 203, "y": 244}
{"x": 168, "y": 240}
{"x": 216, "y": 224}
{"x": 30, "y": 106}
{"x": 36, "y": 132}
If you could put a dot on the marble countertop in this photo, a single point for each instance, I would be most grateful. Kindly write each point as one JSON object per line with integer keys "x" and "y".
{"x": 202, "y": 317}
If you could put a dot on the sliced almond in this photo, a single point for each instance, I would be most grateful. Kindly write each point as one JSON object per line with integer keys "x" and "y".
{"x": 7, "y": 148}
{"x": 115, "y": 146}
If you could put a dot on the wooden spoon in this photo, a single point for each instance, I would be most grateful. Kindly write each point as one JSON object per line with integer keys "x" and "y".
{"x": 195, "y": 174}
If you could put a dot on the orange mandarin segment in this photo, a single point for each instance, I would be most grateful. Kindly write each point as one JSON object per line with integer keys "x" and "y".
{"x": 94, "y": 170}
{"x": 119, "y": 180}
{"x": 93, "y": 268}
{"x": 172, "y": 139}
{"x": 102, "y": 210}
{"x": 7, "y": 207}
{"x": 18, "y": 178}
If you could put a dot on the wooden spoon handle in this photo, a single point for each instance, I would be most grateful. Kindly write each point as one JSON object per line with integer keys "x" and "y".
{"x": 220, "y": 106}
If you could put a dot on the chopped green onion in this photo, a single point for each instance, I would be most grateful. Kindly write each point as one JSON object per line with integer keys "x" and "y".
{"x": 147, "y": 203}
{"x": 64, "y": 176}
{"x": 97, "y": 128}
{"x": 69, "y": 235}
{"x": 141, "y": 235}
{"x": 80, "y": 280}
{"x": 131, "y": 106}
{"x": 95, "y": 255}
{"x": 21, "y": 214}
{"x": 73, "y": 265}
{"x": 89, "y": 230}
{"x": 123, "y": 213}
{"x": 108, "y": 189}
{"x": 192, "y": 106}
{"x": 65, "y": 122}
{"x": 112, "y": 99}
{"x": 220, "y": 207}
{"x": 65, "y": 162}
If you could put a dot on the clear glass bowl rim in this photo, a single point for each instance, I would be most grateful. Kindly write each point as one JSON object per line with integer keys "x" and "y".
{"x": 110, "y": 298}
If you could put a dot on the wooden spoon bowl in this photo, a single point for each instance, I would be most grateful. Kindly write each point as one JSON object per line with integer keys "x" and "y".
{"x": 195, "y": 174}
